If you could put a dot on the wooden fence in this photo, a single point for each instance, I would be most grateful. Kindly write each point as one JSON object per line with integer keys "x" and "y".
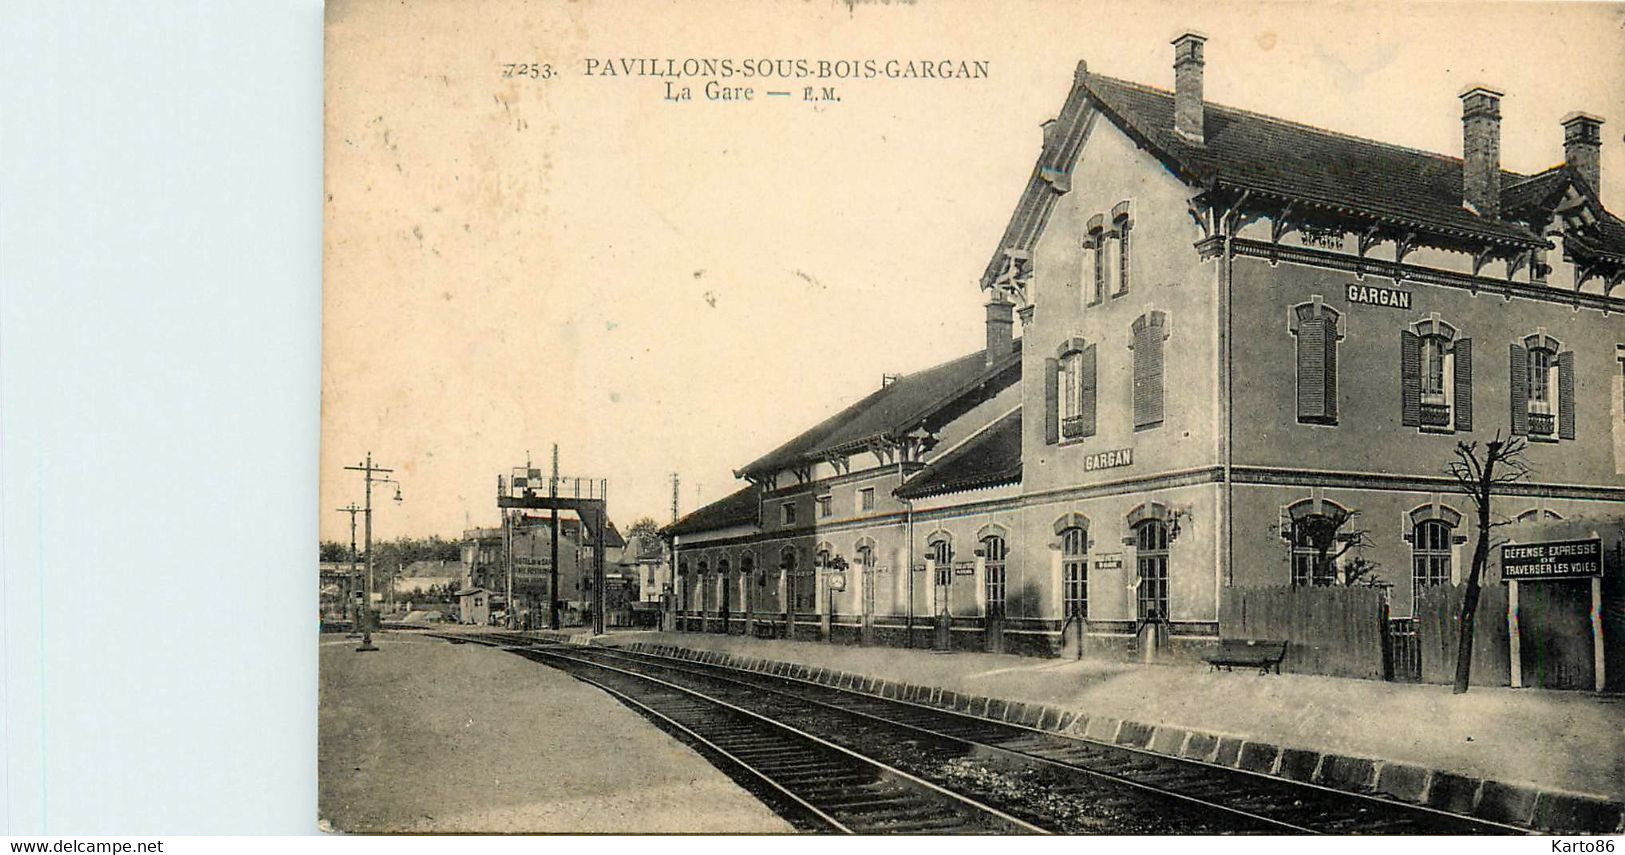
{"x": 1438, "y": 620}
{"x": 1334, "y": 631}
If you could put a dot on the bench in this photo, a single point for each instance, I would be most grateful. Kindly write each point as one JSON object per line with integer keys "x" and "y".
{"x": 1248, "y": 652}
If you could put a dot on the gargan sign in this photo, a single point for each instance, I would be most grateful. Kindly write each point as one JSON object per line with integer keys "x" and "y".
{"x": 1371, "y": 295}
{"x": 1558, "y": 559}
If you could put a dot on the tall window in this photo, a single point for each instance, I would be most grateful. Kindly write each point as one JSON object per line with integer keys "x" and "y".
{"x": 1543, "y": 403}
{"x": 1111, "y": 267}
{"x": 1433, "y": 348}
{"x": 1075, "y": 572}
{"x": 1316, "y": 328}
{"x": 825, "y": 506}
{"x": 1151, "y": 563}
{"x": 703, "y": 581}
{"x": 1304, "y": 553}
{"x": 1150, "y": 330}
{"x": 1121, "y": 224}
{"x": 866, "y": 499}
{"x": 1097, "y": 242}
{"x": 747, "y": 568}
{"x": 1430, "y": 553}
{"x": 801, "y": 583}
{"x": 942, "y": 553}
{"x": 1070, "y": 390}
{"x": 1436, "y": 367}
{"x": 789, "y": 513}
{"x": 993, "y": 555}
{"x": 1541, "y": 412}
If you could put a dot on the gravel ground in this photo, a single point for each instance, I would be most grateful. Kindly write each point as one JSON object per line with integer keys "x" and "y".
{"x": 1566, "y": 740}
{"x": 426, "y": 736}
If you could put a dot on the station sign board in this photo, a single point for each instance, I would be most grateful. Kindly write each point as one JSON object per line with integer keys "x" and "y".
{"x": 1371, "y": 295}
{"x": 1109, "y": 561}
{"x": 1109, "y": 459}
{"x": 964, "y": 568}
{"x": 1557, "y": 559}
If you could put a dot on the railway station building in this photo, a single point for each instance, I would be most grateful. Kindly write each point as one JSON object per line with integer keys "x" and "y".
{"x": 1232, "y": 327}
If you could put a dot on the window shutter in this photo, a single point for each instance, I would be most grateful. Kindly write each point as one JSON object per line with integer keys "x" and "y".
{"x": 1410, "y": 373}
{"x": 1311, "y": 370}
{"x": 1464, "y": 383}
{"x": 1565, "y": 394}
{"x": 1086, "y": 390}
{"x": 1329, "y": 369}
{"x": 1052, "y": 401}
{"x": 1153, "y": 375}
{"x": 1519, "y": 384}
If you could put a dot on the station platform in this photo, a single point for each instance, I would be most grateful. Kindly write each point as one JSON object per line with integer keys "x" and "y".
{"x": 426, "y": 737}
{"x": 1555, "y": 759}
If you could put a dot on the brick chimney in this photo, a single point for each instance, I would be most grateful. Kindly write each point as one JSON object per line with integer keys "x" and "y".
{"x": 1000, "y": 320}
{"x": 1582, "y": 147}
{"x": 1481, "y": 151}
{"x": 1188, "y": 121}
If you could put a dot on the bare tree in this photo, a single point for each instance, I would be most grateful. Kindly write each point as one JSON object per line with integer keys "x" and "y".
{"x": 1478, "y": 478}
{"x": 1324, "y": 531}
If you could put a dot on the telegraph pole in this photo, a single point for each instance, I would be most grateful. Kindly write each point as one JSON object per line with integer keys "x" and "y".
{"x": 355, "y": 614}
{"x": 367, "y": 470}
{"x": 553, "y": 546}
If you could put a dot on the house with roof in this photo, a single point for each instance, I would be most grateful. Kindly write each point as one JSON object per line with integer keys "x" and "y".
{"x": 1234, "y": 328}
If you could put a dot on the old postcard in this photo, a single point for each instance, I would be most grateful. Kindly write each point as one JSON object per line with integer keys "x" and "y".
{"x": 936, "y": 417}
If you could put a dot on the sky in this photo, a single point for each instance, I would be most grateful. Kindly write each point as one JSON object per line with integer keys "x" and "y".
{"x": 680, "y": 286}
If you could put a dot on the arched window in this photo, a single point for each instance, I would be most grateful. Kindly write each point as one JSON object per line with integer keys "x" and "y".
{"x": 1121, "y": 222}
{"x": 1075, "y": 572}
{"x": 866, "y": 556}
{"x": 1538, "y": 514}
{"x": 993, "y": 555}
{"x": 1151, "y": 563}
{"x": 1543, "y": 402}
{"x": 1436, "y": 367}
{"x": 1096, "y": 241}
{"x": 747, "y": 566}
{"x": 1070, "y": 391}
{"x": 941, "y": 551}
{"x": 682, "y": 583}
{"x": 1430, "y": 553}
{"x": 1306, "y": 530}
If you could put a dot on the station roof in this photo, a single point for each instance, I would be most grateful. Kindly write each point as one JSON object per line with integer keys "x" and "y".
{"x": 924, "y": 398}
{"x": 988, "y": 459}
{"x": 738, "y": 508}
{"x": 1247, "y": 150}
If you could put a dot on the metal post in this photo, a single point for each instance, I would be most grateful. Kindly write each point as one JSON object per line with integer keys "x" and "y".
{"x": 1514, "y": 642}
{"x": 355, "y": 614}
{"x": 553, "y": 546}
{"x": 598, "y": 561}
{"x": 367, "y": 470}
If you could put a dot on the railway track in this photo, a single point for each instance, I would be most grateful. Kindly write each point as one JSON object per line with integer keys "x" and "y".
{"x": 815, "y": 784}
{"x": 1059, "y": 783}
